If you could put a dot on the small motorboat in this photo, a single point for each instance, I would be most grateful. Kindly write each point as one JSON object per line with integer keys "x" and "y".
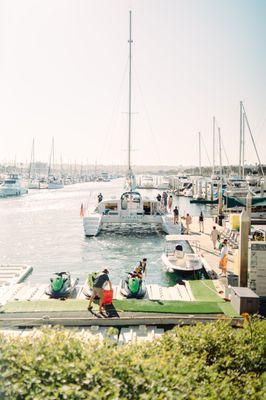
{"x": 175, "y": 259}
{"x": 133, "y": 287}
{"x": 61, "y": 286}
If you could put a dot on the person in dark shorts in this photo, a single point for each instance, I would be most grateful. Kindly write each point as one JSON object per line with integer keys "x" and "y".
{"x": 98, "y": 285}
{"x": 176, "y": 215}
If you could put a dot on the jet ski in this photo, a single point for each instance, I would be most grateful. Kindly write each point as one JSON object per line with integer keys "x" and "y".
{"x": 133, "y": 287}
{"x": 61, "y": 286}
{"x": 88, "y": 286}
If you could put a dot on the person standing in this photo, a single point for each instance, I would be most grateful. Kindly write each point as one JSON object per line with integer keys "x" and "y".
{"x": 170, "y": 203}
{"x": 176, "y": 215}
{"x": 165, "y": 195}
{"x": 100, "y": 197}
{"x": 188, "y": 220}
{"x": 214, "y": 236}
{"x": 97, "y": 289}
{"x": 223, "y": 258}
{"x": 159, "y": 197}
{"x": 201, "y": 222}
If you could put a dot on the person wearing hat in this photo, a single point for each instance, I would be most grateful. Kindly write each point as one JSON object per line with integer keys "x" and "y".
{"x": 98, "y": 286}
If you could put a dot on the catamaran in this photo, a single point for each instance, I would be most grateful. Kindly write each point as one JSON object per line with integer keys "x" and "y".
{"x": 131, "y": 207}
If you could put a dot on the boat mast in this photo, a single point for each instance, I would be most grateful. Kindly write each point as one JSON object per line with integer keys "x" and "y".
{"x": 200, "y": 154}
{"x": 129, "y": 106}
{"x": 240, "y": 140}
{"x": 51, "y": 161}
{"x": 213, "y": 145}
{"x": 220, "y": 151}
{"x": 253, "y": 141}
{"x": 31, "y": 160}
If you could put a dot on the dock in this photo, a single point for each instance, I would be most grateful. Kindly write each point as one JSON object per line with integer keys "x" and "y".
{"x": 10, "y": 276}
{"x": 209, "y": 255}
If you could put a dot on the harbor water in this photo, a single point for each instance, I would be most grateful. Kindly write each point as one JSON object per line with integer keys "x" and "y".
{"x": 44, "y": 229}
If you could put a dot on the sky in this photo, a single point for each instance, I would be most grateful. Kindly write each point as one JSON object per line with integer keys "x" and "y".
{"x": 64, "y": 74}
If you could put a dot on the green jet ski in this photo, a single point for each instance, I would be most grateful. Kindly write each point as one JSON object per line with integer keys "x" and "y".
{"x": 88, "y": 286}
{"x": 61, "y": 286}
{"x": 133, "y": 287}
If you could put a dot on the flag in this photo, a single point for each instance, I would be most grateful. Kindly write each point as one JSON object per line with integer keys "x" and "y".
{"x": 81, "y": 213}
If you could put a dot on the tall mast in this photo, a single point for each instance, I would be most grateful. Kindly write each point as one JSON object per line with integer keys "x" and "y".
{"x": 240, "y": 140}
{"x": 51, "y": 160}
{"x": 213, "y": 145}
{"x": 220, "y": 151}
{"x": 243, "y": 142}
{"x": 129, "y": 103}
{"x": 200, "y": 154}
{"x": 31, "y": 159}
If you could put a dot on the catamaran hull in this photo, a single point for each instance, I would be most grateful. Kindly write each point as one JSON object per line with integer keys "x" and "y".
{"x": 94, "y": 223}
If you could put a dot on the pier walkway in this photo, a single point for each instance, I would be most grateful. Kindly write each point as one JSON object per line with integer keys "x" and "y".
{"x": 206, "y": 247}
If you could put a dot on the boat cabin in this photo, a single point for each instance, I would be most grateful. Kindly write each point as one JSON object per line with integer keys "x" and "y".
{"x": 129, "y": 202}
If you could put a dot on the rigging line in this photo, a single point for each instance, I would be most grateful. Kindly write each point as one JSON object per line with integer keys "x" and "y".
{"x": 205, "y": 148}
{"x": 225, "y": 153}
{"x": 253, "y": 141}
{"x": 147, "y": 115}
{"x": 116, "y": 104}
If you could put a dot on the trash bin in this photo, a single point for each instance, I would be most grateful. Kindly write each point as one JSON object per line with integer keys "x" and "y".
{"x": 220, "y": 219}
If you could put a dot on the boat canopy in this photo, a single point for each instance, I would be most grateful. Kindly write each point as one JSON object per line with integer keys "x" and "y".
{"x": 177, "y": 238}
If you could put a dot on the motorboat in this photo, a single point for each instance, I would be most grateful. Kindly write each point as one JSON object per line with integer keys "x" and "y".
{"x": 55, "y": 182}
{"x": 12, "y": 186}
{"x": 61, "y": 285}
{"x": 179, "y": 256}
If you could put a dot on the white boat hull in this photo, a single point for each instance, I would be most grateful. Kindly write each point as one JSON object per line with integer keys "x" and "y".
{"x": 54, "y": 185}
{"x": 173, "y": 264}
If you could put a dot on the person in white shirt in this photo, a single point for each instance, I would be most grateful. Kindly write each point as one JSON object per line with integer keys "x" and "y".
{"x": 188, "y": 220}
{"x": 214, "y": 236}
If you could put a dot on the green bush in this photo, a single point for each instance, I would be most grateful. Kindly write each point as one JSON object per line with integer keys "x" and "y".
{"x": 211, "y": 361}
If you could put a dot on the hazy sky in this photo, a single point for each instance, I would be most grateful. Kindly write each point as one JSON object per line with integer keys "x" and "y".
{"x": 63, "y": 73}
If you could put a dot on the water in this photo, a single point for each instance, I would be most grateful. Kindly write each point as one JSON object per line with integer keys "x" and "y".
{"x": 44, "y": 229}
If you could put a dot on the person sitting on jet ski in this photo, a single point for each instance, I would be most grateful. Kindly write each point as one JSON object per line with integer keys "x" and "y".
{"x": 141, "y": 268}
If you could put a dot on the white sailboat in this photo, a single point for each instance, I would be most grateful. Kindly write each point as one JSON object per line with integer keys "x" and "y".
{"x": 33, "y": 182}
{"x": 131, "y": 207}
{"x": 54, "y": 182}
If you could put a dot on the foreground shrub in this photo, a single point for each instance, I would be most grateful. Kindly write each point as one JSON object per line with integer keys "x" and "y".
{"x": 213, "y": 361}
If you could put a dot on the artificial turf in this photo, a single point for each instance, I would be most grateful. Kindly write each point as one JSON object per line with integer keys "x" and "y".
{"x": 204, "y": 290}
{"x": 133, "y": 305}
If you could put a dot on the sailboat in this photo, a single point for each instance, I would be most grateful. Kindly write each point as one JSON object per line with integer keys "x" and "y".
{"x": 54, "y": 182}
{"x": 131, "y": 207}
{"x": 33, "y": 182}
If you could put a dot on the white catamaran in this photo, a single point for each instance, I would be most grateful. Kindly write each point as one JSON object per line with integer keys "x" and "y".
{"x": 131, "y": 207}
